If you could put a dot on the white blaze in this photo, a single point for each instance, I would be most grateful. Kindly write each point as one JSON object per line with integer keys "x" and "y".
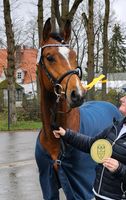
{"x": 79, "y": 88}
{"x": 65, "y": 53}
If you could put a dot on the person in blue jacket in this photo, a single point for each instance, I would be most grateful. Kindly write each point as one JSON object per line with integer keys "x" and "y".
{"x": 110, "y": 181}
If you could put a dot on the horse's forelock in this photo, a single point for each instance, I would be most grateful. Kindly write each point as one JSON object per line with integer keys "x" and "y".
{"x": 56, "y": 36}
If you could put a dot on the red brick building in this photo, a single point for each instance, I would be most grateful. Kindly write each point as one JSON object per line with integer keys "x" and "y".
{"x": 25, "y": 69}
{"x": 25, "y": 72}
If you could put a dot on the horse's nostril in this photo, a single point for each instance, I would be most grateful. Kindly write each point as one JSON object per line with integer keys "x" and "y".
{"x": 76, "y": 98}
{"x": 73, "y": 96}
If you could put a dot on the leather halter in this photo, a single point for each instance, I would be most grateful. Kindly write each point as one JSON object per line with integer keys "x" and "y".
{"x": 57, "y": 82}
{"x": 53, "y": 80}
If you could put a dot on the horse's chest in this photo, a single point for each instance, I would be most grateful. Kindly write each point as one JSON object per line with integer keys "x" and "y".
{"x": 51, "y": 146}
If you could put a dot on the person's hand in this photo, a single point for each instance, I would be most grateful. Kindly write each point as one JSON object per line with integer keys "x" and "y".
{"x": 111, "y": 164}
{"x": 60, "y": 132}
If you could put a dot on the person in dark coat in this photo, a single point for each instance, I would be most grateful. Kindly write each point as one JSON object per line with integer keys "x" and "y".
{"x": 110, "y": 181}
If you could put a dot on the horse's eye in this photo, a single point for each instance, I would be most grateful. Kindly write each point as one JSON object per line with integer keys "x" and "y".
{"x": 50, "y": 58}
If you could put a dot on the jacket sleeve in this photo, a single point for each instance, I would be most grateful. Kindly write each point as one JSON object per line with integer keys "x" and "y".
{"x": 80, "y": 141}
{"x": 121, "y": 172}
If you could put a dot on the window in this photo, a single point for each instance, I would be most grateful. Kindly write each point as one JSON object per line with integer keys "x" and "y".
{"x": 19, "y": 95}
{"x": 19, "y": 75}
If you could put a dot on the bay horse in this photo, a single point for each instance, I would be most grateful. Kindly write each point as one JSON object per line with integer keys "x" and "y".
{"x": 62, "y": 104}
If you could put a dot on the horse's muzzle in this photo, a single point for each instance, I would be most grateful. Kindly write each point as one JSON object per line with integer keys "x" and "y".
{"x": 77, "y": 99}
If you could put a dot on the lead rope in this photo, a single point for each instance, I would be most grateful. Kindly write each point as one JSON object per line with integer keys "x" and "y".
{"x": 55, "y": 126}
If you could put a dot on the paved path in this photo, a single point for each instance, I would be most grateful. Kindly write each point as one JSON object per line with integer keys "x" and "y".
{"x": 18, "y": 170}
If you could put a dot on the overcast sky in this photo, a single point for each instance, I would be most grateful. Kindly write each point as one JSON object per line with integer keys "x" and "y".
{"x": 27, "y": 8}
{"x": 120, "y": 9}
{"x": 118, "y": 5}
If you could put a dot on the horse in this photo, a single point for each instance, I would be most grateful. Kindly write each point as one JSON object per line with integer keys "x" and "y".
{"x": 63, "y": 104}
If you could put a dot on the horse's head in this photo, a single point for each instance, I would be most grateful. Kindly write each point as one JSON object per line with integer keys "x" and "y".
{"x": 58, "y": 66}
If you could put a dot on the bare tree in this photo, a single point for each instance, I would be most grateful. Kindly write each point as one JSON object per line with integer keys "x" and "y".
{"x": 31, "y": 32}
{"x": 40, "y": 29}
{"x": 79, "y": 39}
{"x": 40, "y": 20}
{"x": 88, "y": 22}
{"x": 53, "y": 19}
{"x": 105, "y": 44}
{"x": 65, "y": 14}
{"x": 10, "y": 60}
{"x": 98, "y": 28}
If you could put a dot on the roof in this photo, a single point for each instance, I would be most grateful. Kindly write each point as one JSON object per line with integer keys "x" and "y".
{"x": 116, "y": 76}
{"x": 4, "y": 85}
{"x": 27, "y": 63}
{"x": 3, "y": 59}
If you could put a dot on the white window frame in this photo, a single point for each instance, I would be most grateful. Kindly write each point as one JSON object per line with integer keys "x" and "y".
{"x": 19, "y": 75}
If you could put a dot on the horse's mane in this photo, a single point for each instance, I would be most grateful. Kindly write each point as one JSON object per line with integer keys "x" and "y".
{"x": 56, "y": 36}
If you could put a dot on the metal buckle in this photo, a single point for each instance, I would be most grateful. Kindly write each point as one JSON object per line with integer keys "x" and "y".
{"x": 58, "y": 162}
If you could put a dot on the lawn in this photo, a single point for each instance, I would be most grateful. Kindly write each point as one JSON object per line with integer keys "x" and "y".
{"x": 20, "y": 125}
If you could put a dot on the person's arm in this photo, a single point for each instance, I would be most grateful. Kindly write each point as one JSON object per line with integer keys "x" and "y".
{"x": 77, "y": 140}
{"x": 80, "y": 141}
{"x": 121, "y": 172}
{"x": 117, "y": 168}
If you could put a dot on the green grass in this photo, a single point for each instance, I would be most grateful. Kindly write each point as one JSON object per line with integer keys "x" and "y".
{"x": 20, "y": 125}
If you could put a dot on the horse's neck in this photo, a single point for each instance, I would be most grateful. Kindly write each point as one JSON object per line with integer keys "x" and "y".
{"x": 49, "y": 107}
{"x": 62, "y": 117}
{"x": 67, "y": 120}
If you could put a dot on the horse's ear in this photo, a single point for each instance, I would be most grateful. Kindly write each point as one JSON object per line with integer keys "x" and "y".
{"x": 47, "y": 29}
{"x": 67, "y": 31}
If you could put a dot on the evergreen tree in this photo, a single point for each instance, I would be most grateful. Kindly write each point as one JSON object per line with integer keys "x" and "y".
{"x": 117, "y": 51}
